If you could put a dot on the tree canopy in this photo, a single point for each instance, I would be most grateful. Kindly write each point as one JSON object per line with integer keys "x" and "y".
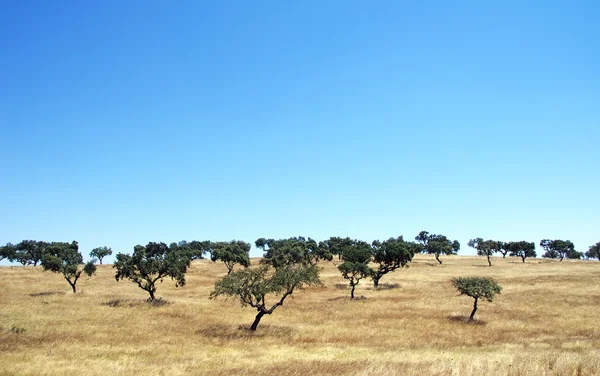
{"x": 100, "y": 253}
{"x": 65, "y": 259}
{"x": 486, "y": 247}
{"x": 356, "y": 258}
{"x": 477, "y": 288}
{"x": 29, "y": 252}
{"x": 231, "y": 253}
{"x": 390, "y": 255}
{"x": 559, "y": 249}
{"x": 521, "y": 249}
{"x": 437, "y": 244}
{"x": 254, "y": 286}
{"x": 594, "y": 251}
{"x": 153, "y": 263}
{"x": 300, "y": 250}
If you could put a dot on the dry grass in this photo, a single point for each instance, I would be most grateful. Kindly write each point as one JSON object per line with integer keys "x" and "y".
{"x": 545, "y": 322}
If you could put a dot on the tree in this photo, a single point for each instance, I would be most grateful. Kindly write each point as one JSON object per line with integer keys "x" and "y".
{"x": 559, "y": 249}
{"x": 231, "y": 253}
{"x": 153, "y": 263}
{"x": 390, "y": 254}
{"x": 196, "y": 249}
{"x": 292, "y": 251}
{"x": 65, "y": 259}
{"x": 477, "y": 287}
{"x": 253, "y": 286}
{"x": 29, "y": 252}
{"x": 355, "y": 267}
{"x": 437, "y": 244}
{"x": 594, "y": 251}
{"x": 521, "y": 249}
{"x": 7, "y": 252}
{"x": 486, "y": 247}
{"x": 503, "y": 249}
{"x": 336, "y": 245}
{"x": 100, "y": 253}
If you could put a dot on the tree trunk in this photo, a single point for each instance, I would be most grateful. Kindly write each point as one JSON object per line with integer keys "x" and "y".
{"x": 376, "y": 281}
{"x": 352, "y": 291}
{"x": 73, "y": 287}
{"x": 474, "y": 309}
{"x": 522, "y": 257}
{"x": 257, "y": 320}
{"x": 489, "y": 261}
{"x": 437, "y": 257}
{"x": 100, "y": 259}
{"x": 151, "y": 292}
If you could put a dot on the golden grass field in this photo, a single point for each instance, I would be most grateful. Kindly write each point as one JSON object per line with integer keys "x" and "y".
{"x": 545, "y": 322}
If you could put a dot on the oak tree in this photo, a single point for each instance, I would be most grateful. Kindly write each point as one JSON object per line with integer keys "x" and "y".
{"x": 356, "y": 258}
{"x": 152, "y": 263}
{"x": 231, "y": 253}
{"x": 437, "y": 245}
{"x": 486, "y": 247}
{"x": 100, "y": 253}
{"x": 521, "y": 249}
{"x": 390, "y": 255}
{"x": 253, "y": 287}
{"x": 476, "y": 288}
{"x": 593, "y": 252}
{"x": 559, "y": 249}
{"x": 300, "y": 250}
{"x": 29, "y": 252}
{"x": 65, "y": 258}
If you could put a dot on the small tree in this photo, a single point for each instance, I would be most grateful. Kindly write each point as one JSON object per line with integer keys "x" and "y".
{"x": 391, "y": 254}
{"x": 593, "y": 252}
{"x": 355, "y": 267}
{"x": 486, "y": 247}
{"x": 336, "y": 245}
{"x": 437, "y": 244}
{"x": 521, "y": 249}
{"x": 253, "y": 286}
{"x": 231, "y": 253}
{"x": 559, "y": 249}
{"x": 477, "y": 287}
{"x": 100, "y": 253}
{"x": 153, "y": 263}
{"x": 65, "y": 259}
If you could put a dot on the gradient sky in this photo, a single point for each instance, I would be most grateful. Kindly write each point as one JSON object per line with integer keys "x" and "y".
{"x": 124, "y": 122}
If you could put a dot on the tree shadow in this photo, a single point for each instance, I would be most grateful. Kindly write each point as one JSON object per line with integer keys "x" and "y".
{"x": 228, "y": 332}
{"x": 465, "y": 320}
{"x": 385, "y": 286}
{"x": 46, "y": 293}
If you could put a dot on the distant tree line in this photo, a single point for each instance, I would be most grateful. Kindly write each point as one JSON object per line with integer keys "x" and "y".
{"x": 288, "y": 265}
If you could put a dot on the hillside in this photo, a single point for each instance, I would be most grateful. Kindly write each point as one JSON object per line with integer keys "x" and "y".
{"x": 544, "y": 322}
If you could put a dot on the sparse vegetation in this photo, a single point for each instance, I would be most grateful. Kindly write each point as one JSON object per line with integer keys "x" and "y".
{"x": 65, "y": 259}
{"x": 544, "y": 323}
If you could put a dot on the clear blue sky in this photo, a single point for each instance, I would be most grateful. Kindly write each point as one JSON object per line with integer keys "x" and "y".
{"x": 125, "y": 122}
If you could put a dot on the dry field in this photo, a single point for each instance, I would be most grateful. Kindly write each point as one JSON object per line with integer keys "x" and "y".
{"x": 545, "y": 322}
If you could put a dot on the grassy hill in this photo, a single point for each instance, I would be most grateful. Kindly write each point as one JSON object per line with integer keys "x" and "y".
{"x": 544, "y": 322}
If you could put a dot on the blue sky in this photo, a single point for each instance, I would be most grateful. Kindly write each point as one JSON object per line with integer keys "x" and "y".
{"x": 137, "y": 121}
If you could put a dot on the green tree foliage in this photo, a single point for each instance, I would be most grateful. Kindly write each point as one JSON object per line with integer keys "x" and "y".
{"x": 29, "y": 252}
{"x": 300, "y": 250}
{"x": 476, "y": 288}
{"x": 437, "y": 245}
{"x": 7, "y": 252}
{"x": 65, "y": 259}
{"x": 521, "y": 249}
{"x": 336, "y": 245}
{"x": 593, "y": 252}
{"x": 100, "y": 253}
{"x": 559, "y": 249}
{"x": 390, "y": 255}
{"x": 356, "y": 258}
{"x": 153, "y": 263}
{"x": 254, "y": 286}
{"x": 231, "y": 253}
{"x": 196, "y": 249}
{"x": 486, "y": 247}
